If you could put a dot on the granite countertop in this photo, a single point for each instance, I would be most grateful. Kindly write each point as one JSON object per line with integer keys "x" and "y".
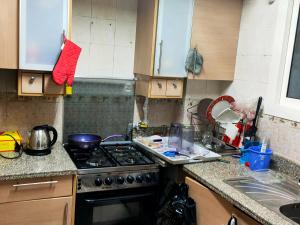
{"x": 213, "y": 174}
{"x": 58, "y": 163}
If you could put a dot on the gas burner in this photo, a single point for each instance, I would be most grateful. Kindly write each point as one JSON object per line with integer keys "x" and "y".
{"x": 131, "y": 160}
{"x": 108, "y": 155}
{"x": 113, "y": 166}
{"x": 127, "y": 155}
{"x": 122, "y": 149}
{"x": 94, "y": 162}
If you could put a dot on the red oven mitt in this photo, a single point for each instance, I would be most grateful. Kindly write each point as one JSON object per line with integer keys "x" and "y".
{"x": 64, "y": 69}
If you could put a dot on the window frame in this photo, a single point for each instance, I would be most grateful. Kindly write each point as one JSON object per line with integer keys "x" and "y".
{"x": 277, "y": 103}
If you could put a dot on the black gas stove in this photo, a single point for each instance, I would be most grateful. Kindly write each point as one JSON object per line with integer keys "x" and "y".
{"x": 113, "y": 166}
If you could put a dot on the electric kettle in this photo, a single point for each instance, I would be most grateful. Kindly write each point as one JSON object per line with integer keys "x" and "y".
{"x": 39, "y": 140}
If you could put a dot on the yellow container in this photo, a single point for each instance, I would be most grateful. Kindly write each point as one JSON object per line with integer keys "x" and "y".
{"x": 7, "y": 144}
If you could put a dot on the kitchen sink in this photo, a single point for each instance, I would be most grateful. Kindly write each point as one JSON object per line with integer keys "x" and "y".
{"x": 291, "y": 211}
{"x": 281, "y": 196}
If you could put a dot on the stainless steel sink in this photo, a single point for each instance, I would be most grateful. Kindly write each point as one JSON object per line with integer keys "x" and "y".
{"x": 291, "y": 211}
{"x": 280, "y": 196}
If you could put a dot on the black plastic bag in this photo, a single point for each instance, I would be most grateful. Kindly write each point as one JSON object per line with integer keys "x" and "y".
{"x": 176, "y": 208}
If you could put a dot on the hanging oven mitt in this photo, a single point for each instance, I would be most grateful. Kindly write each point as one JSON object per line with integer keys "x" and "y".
{"x": 194, "y": 62}
{"x": 64, "y": 69}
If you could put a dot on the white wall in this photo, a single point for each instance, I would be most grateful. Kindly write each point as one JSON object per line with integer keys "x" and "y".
{"x": 252, "y": 75}
{"x": 254, "y": 53}
{"x": 105, "y": 30}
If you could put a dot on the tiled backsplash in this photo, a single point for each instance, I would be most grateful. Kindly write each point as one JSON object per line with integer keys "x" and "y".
{"x": 98, "y": 106}
{"x": 23, "y": 113}
{"x": 284, "y": 136}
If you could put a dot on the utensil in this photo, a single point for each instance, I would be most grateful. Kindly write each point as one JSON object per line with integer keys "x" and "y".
{"x": 251, "y": 132}
{"x": 175, "y": 134}
{"x": 187, "y": 138}
{"x": 202, "y": 108}
{"x": 174, "y": 153}
{"x": 220, "y": 111}
{"x": 39, "y": 141}
{"x": 84, "y": 141}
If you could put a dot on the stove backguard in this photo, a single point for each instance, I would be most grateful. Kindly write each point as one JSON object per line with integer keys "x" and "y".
{"x": 99, "y": 106}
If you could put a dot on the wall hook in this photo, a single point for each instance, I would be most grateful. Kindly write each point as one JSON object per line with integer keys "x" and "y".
{"x": 271, "y": 2}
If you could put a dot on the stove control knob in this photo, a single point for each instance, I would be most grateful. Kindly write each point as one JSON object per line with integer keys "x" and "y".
{"x": 98, "y": 181}
{"x": 130, "y": 179}
{"x": 148, "y": 178}
{"x": 120, "y": 180}
{"x": 108, "y": 181}
{"x": 139, "y": 179}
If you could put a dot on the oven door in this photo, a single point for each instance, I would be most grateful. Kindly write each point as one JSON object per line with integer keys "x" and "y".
{"x": 116, "y": 208}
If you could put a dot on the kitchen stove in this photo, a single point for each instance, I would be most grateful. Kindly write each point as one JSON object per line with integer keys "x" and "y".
{"x": 113, "y": 166}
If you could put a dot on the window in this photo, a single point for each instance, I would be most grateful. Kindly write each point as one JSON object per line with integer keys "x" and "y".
{"x": 284, "y": 88}
{"x": 292, "y": 89}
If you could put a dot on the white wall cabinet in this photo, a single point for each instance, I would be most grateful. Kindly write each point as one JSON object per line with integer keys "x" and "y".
{"x": 42, "y": 24}
{"x": 173, "y": 37}
{"x": 105, "y": 30}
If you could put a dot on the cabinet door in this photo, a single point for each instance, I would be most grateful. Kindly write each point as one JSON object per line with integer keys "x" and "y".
{"x": 42, "y": 24}
{"x": 53, "y": 211}
{"x": 173, "y": 37}
{"x": 216, "y": 27}
{"x": 9, "y": 34}
{"x": 244, "y": 219}
{"x": 211, "y": 208}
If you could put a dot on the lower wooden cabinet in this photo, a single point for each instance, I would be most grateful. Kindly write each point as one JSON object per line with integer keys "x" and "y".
{"x": 38, "y": 201}
{"x": 212, "y": 209}
{"x": 53, "y": 211}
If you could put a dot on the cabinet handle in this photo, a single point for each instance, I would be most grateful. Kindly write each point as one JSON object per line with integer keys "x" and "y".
{"x": 66, "y": 213}
{"x": 160, "y": 55}
{"x": 35, "y": 184}
{"x": 31, "y": 80}
{"x": 159, "y": 85}
{"x": 174, "y": 85}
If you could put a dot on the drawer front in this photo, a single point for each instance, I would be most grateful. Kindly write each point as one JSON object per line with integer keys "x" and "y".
{"x": 158, "y": 87}
{"x": 32, "y": 83}
{"x": 54, "y": 211}
{"x": 50, "y": 88}
{"x": 37, "y": 188}
{"x": 174, "y": 88}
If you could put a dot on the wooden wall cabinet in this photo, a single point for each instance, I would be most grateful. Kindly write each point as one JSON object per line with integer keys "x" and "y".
{"x": 38, "y": 84}
{"x": 215, "y": 33}
{"x": 162, "y": 26}
{"x": 211, "y": 208}
{"x": 9, "y": 28}
{"x": 170, "y": 88}
{"x": 38, "y": 201}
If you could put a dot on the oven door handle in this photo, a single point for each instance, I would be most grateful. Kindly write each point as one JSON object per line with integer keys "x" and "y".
{"x": 103, "y": 201}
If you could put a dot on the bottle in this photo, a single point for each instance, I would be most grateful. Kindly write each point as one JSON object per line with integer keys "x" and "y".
{"x": 264, "y": 144}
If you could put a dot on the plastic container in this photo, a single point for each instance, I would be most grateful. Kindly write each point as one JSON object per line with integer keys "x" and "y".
{"x": 256, "y": 159}
{"x": 244, "y": 151}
